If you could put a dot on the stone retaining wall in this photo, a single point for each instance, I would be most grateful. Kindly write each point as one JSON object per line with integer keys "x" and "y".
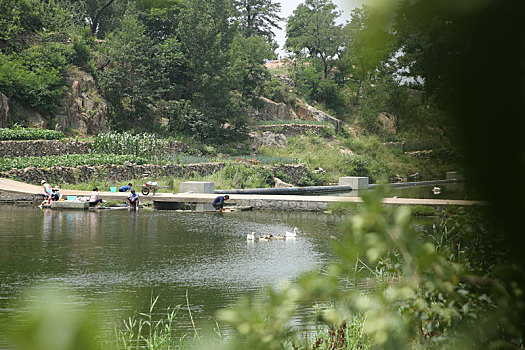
{"x": 291, "y": 129}
{"x": 115, "y": 173}
{"x": 41, "y": 148}
{"x": 111, "y": 172}
{"x": 20, "y": 198}
{"x": 268, "y": 204}
{"x": 294, "y": 172}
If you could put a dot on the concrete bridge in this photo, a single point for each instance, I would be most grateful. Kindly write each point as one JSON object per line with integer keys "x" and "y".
{"x": 14, "y": 191}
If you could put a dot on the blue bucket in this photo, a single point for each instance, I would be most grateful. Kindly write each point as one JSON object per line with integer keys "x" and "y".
{"x": 71, "y": 198}
{"x": 113, "y": 189}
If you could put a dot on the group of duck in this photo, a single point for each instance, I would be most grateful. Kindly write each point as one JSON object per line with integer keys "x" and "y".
{"x": 270, "y": 237}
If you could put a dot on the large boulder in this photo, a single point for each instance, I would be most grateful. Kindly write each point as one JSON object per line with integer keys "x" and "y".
{"x": 388, "y": 122}
{"x": 306, "y": 112}
{"x": 268, "y": 138}
{"x": 270, "y": 110}
{"x": 27, "y": 115}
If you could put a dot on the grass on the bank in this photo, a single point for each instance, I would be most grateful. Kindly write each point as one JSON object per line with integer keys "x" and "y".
{"x": 357, "y": 156}
{"x": 231, "y": 176}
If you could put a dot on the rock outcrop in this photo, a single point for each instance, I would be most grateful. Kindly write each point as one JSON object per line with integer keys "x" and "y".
{"x": 307, "y": 112}
{"x": 271, "y": 110}
{"x": 82, "y": 109}
{"x": 267, "y": 138}
{"x": 388, "y": 122}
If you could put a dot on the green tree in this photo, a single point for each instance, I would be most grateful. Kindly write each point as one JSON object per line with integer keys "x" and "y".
{"x": 138, "y": 75}
{"x": 360, "y": 60}
{"x": 102, "y": 16}
{"x": 161, "y": 17}
{"x": 206, "y": 32}
{"x": 312, "y": 27}
{"x": 16, "y": 18}
{"x": 258, "y": 17}
{"x": 248, "y": 70}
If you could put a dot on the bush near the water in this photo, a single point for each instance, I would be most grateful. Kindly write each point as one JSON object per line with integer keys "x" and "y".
{"x": 421, "y": 210}
{"x": 245, "y": 176}
{"x": 19, "y": 133}
{"x": 68, "y": 160}
{"x": 419, "y": 292}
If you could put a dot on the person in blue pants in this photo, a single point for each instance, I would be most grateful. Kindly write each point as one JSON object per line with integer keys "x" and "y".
{"x": 218, "y": 203}
{"x": 133, "y": 199}
{"x": 125, "y": 188}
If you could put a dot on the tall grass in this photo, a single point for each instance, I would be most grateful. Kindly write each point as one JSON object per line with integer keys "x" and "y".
{"x": 143, "y": 332}
{"x": 140, "y": 145}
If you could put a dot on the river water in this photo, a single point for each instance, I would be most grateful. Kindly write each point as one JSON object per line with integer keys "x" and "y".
{"x": 121, "y": 258}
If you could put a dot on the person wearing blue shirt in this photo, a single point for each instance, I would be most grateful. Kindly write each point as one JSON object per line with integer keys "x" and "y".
{"x": 218, "y": 203}
{"x": 125, "y": 188}
{"x": 133, "y": 199}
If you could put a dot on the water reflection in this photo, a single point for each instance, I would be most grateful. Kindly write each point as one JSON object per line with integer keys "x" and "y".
{"x": 120, "y": 257}
{"x": 453, "y": 190}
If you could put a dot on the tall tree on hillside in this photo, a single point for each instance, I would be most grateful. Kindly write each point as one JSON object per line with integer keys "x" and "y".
{"x": 161, "y": 17}
{"x": 258, "y": 17}
{"x": 102, "y": 16}
{"x": 138, "y": 75}
{"x": 312, "y": 27}
{"x": 206, "y": 33}
{"x": 248, "y": 70}
{"x": 360, "y": 60}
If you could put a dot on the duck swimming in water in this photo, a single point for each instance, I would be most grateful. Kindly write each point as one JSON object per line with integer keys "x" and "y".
{"x": 291, "y": 234}
{"x": 250, "y": 236}
{"x": 265, "y": 238}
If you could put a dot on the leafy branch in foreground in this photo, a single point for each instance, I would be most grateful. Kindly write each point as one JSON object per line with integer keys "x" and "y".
{"x": 428, "y": 301}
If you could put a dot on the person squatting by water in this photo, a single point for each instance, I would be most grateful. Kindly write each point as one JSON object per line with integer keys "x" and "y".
{"x": 218, "y": 203}
{"x": 125, "y": 188}
{"x": 133, "y": 199}
{"x": 95, "y": 199}
{"x": 48, "y": 192}
{"x": 57, "y": 195}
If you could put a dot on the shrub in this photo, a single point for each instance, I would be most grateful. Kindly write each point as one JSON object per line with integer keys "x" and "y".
{"x": 35, "y": 76}
{"x": 420, "y": 210}
{"x": 243, "y": 176}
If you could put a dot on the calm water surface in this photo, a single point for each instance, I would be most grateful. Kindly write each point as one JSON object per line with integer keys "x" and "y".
{"x": 454, "y": 190}
{"x": 120, "y": 258}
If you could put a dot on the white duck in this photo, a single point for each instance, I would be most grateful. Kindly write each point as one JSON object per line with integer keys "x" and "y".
{"x": 250, "y": 236}
{"x": 291, "y": 234}
{"x": 436, "y": 190}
